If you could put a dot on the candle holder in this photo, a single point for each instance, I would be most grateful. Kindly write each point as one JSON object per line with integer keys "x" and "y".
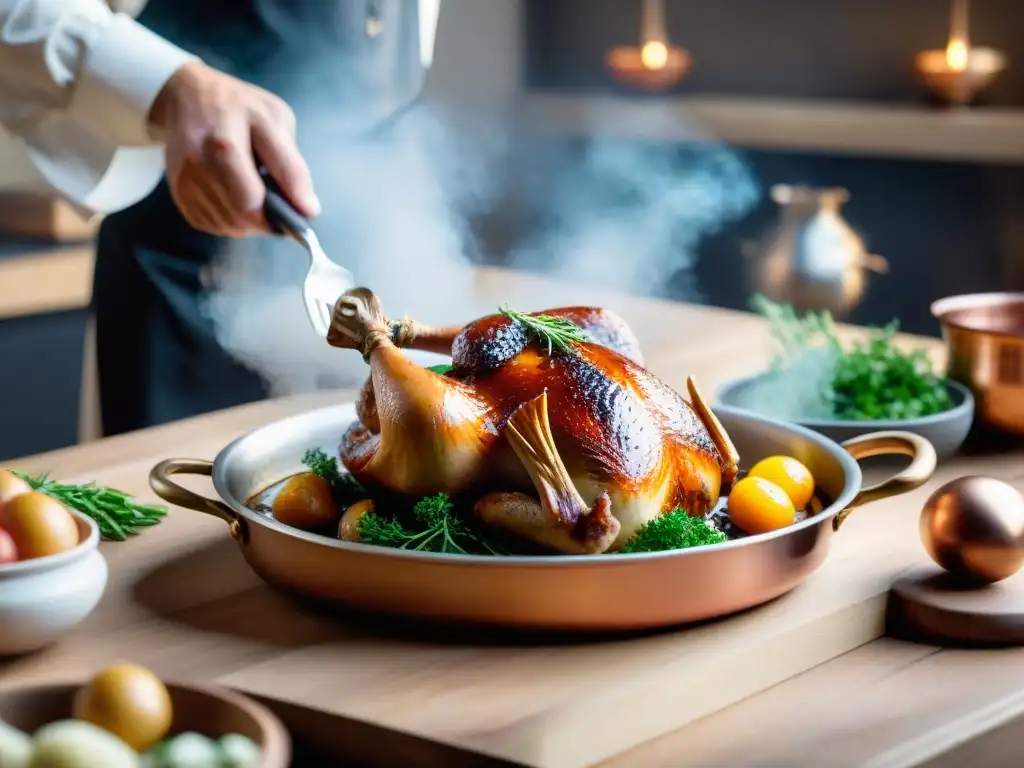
{"x": 960, "y": 71}
{"x": 655, "y": 64}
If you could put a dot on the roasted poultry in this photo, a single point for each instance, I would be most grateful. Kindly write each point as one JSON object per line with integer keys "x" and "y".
{"x": 574, "y": 446}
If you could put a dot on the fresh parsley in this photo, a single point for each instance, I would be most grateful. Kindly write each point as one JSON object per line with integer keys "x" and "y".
{"x": 870, "y": 380}
{"x": 673, "y": 530}
{"x": 435, "y": 527}
{"x": 322, "y": 465}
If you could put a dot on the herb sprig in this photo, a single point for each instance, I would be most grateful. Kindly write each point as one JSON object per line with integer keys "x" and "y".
{"x": 438, "y": 529}
{"x": 871, "y": 380}
{"x": 117, "y": 514}
{"x": 552, "y": 332}
{"x": 342, "y": 483}
{"x": 673, "y": 530}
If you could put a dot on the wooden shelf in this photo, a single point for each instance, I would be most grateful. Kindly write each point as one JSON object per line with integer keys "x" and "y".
{"x": 981, "y": 135}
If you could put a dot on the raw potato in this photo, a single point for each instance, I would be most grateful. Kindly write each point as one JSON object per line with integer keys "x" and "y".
{"x": 10, "y": 486}
{"x": 40, "y": 526}
{"x": 8, "y": 554}
{"x": 75, "y": 744}
{"x": 238, "y": 751}
{"x": 15, "y": 747}
{"x": 130, "y": 702}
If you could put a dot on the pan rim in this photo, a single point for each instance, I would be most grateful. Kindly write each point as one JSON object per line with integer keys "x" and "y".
{"x": 851, "y": 486}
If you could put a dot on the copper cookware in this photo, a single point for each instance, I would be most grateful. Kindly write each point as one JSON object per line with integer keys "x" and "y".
{"x": 984, "y": 335}
{"x": 599, "y": 592}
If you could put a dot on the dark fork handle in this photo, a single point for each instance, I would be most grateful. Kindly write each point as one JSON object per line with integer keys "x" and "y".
{"x": 281, "y": 214}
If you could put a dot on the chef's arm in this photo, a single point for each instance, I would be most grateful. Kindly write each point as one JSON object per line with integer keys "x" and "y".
{"x": 76, "y": 85}
{"x": 93, "y": 93}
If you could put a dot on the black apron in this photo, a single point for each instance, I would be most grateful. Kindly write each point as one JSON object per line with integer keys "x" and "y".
{"x": 345, "y": 64}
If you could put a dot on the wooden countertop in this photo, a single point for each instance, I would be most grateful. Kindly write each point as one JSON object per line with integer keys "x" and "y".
{"x": 181, "y": 600}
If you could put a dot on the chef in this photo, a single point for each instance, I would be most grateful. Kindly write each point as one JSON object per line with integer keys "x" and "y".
{"x": 155, "y": 121}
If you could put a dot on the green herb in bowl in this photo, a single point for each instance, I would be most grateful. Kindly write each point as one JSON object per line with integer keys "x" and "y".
{"x": 870, "y": 380}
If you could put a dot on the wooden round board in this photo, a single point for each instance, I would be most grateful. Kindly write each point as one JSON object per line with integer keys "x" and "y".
{"x": 928, "y": 601}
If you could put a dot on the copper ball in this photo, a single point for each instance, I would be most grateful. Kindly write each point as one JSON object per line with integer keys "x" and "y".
{"x": 974, "y": 528}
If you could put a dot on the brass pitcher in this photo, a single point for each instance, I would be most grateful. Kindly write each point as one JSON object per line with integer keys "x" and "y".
{"x": 813, "y": 259}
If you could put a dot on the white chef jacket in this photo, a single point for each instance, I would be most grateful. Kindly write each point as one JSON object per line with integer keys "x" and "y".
{"x": 77, "y": 81}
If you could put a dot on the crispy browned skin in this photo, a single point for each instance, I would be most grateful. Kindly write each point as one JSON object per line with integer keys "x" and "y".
{"x": 618, "y": 429}
{"x": 601, "y": 325}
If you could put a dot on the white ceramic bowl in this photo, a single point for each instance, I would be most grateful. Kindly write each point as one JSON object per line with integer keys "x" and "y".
{"x": 44, "y": 598}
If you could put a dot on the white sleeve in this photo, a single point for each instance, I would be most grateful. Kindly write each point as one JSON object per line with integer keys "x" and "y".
{"x": 76, "y": 85}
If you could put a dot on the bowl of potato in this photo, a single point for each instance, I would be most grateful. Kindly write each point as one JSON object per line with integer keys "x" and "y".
{"x": 52, "y": 574}
{"x": 127, "y": 717}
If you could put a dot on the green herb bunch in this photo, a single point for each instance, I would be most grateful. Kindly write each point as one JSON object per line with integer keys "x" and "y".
{"x": 552, "y": 332}
{"x": 673, "y": 530}
{"x": 435, "y": 527}
{"x": 342, "y": 483}
{"x": 871, "y": 380}
{"x": 117, "y": 514}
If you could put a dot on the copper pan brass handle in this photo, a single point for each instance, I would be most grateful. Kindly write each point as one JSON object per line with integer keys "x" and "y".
{"x": 922, "y": 465}
{"x": 168, "y": 490}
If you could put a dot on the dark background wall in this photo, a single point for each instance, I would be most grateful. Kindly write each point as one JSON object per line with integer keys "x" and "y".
{"x": 844, "y": 49}
{"x": 944, "y": 227}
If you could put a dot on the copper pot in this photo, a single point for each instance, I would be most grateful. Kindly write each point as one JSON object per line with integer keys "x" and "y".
{"x": 593, "y": 592}
{"x": 984, "y": 334}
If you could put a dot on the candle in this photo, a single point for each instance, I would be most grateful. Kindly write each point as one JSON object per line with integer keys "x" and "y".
{"x": 960, "y": 71}
{"x": 652, "y": 23}
{"x": 654, "y": 64}
{"x": 958, "y": 48}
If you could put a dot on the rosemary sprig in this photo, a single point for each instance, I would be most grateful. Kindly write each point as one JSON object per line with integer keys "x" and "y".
{"x": 117, "y": 514}
{"x": 553, "y": 332}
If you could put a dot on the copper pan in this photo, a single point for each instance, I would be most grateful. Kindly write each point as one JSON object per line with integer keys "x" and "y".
{"x": 597, "y": 592}
{"x": 984, "y": 335}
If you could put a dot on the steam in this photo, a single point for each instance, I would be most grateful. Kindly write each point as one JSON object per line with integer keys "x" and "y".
{"x": 400, "y": 208}
{"x": 627, "y": 215}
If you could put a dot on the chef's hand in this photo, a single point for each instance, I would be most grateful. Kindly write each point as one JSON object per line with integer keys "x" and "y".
{"x": 213, "y": 126}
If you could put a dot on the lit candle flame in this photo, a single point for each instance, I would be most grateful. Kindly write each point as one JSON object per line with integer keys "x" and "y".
{"x": 957, "y": 54}
{"x": 654, "y": 54}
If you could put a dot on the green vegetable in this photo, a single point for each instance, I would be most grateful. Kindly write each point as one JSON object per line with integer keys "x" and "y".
{"x": 553, "y": 332}
{"x": 117, "y": 514}
{"x": 437, "y": 529}
{"x": 238, "y": 751}
{"x": 673, "y": 530}
{"x": 319, "y": 463}
{"x": 441, "y": 369}
{"x": 871, "y": 380}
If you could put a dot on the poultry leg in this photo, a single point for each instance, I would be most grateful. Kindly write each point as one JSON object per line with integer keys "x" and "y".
{"x": 433, "y": 434}
{"x": 561, "y": 518}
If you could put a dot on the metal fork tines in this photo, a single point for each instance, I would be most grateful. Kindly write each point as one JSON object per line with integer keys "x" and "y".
{"x": 325, "y": 281}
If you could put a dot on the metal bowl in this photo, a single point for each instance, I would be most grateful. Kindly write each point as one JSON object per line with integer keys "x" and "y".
{"x": 984, "y": 335}
{"x": 946, "y": 431}
{"x": 592, "y": 592}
